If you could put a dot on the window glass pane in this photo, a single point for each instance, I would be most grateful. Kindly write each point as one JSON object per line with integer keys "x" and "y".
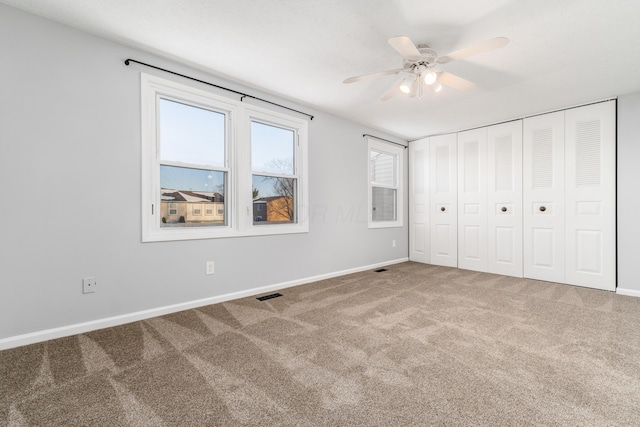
{"x": 186, "y": 193}
{"x": 383, "y": 204}
{"x": 383, "y": 168}
{"x": 190, "y": 134}
{"x": 272, "y": 149}
{"x": 273, "y": 199}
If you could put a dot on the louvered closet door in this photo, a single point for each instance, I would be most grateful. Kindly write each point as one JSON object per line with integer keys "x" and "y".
{"x": 443, "y": 200}
{"x": 543, "y": 197}
{"x": 472, "y": 200}
{"x": 590, "y": 195}
{"x": 504, "y": 199}
{"x": 419, "y": 250}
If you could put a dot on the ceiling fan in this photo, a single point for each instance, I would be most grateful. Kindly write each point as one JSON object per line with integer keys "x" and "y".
{"x": 420, "y": 67}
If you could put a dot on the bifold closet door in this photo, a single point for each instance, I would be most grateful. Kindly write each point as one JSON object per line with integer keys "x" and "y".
{"x": 443, "y": 200}
{"x": 590, "y": 195}
{"x": 504, "y": 199}
{"x": 419, "y": 249}
{"x": 472, "y": 200}
{"x": 543, "y": 197}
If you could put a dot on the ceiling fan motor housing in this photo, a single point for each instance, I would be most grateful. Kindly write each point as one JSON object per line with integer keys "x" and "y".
{"x": 428, "y": 60}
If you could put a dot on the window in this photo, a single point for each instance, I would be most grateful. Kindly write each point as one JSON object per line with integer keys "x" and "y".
{"x": 274, "y": 180}
{"x": 385, "y": 185}
{"x": 207, "y": 160}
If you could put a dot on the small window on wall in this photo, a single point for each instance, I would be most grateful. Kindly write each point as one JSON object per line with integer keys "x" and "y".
{"x": 385, "y": 185}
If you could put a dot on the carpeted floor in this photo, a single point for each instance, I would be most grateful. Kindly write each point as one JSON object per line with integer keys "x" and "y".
{"x": 415, "y": 345}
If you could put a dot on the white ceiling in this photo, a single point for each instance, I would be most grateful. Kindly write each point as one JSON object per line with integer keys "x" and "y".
{"x": 562, "y": 52}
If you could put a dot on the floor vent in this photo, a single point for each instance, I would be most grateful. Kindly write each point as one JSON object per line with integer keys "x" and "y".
{"x": 266, "y": 297}
{"x": 380, "y": 270}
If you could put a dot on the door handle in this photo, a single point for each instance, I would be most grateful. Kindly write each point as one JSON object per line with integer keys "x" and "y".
{"x": 443, "y": 209}
{"x": 542, "y": 209}
{"x": 504, "y": 209}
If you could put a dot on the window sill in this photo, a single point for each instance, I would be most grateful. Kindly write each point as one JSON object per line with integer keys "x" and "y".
{"x": 226, "y": 233}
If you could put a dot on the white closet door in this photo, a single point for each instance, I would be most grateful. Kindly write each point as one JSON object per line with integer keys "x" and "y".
{"x": 419, "y": 249}
{"x": 504, "y": 199}
{"x": 443, "y": 200}
{"x": 472, "y": 199}
{"x": 590, "y": 195}
{"x": 543, "y": 197}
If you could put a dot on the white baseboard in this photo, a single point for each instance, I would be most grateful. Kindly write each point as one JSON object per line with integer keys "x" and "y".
{"x": 628, "y": 292}
{"x": 79, "y": 328}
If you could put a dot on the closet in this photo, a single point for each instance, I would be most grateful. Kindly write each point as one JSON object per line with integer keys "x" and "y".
{"x": 433, "y": 205}
{"x": 528, "y": 198}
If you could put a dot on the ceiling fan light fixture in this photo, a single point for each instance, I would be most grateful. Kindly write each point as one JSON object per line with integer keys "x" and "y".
{"x": 407, "y": 85}
{"x": 437, "y": 87}
{"x": 430, "y": 77}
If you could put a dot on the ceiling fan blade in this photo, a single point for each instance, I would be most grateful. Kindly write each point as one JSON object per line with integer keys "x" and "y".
{"x": 394, "y": 89}
{"x": 485, "y": 46}
{"x": 405, "y": 47}
{"x": 454, "y": 81}
{"x": 372, "y": 75}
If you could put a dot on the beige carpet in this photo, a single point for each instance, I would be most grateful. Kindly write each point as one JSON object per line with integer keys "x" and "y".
{"x": 415, "y": 345}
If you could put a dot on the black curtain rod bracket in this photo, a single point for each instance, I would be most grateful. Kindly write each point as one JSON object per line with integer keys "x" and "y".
{"x": 364, "y": 135}
{"x": 242, "y": 95}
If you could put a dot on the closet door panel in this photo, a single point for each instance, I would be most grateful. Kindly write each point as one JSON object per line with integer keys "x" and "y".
{"x": 590, "y": 197}
{"x": 443, "y": 200}
{"x": 543, "y": 197}
{"x": 472, "y": 199}
{"x": 419, "y": 241}
{"x": 504, "y": 199}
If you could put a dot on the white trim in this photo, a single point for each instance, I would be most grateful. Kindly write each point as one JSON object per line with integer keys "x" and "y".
{"x": 79, "y": 328}
{"x": 628, "y": 292}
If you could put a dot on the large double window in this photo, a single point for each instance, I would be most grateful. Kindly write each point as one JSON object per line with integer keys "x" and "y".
{"x": 216, "y": 167}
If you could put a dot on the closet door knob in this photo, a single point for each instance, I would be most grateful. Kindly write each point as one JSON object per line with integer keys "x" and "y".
{"x": 504, "y": 209}
{"x": 443, "y": 209}
{"x": 542, "y": 209}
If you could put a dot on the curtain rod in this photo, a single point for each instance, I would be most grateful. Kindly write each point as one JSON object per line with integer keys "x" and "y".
{"x": 385, "y": 140}
{"x": 242, "y": 95}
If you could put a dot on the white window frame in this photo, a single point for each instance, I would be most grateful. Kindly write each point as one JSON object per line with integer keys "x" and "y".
{"x": 398, "y": 153}
{"x": 238, "y": 194}
{"x": 299, "y": 165}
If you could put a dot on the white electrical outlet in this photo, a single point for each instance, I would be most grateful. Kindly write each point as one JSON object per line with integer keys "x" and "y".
{"x": 393, "y": 243}
{"x": 88, "y": 285}
{"x": 210, "y": 268}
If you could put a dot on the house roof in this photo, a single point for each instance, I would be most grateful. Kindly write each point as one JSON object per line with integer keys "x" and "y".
{"x": 561, "y": 53}
{"x": 268, "y": 199}
{"x": 170, "y": 195}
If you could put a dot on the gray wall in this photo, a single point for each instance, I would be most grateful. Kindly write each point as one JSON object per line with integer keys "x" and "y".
{"x": 70, "y": 178}
{"x": 628, "y": 193}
